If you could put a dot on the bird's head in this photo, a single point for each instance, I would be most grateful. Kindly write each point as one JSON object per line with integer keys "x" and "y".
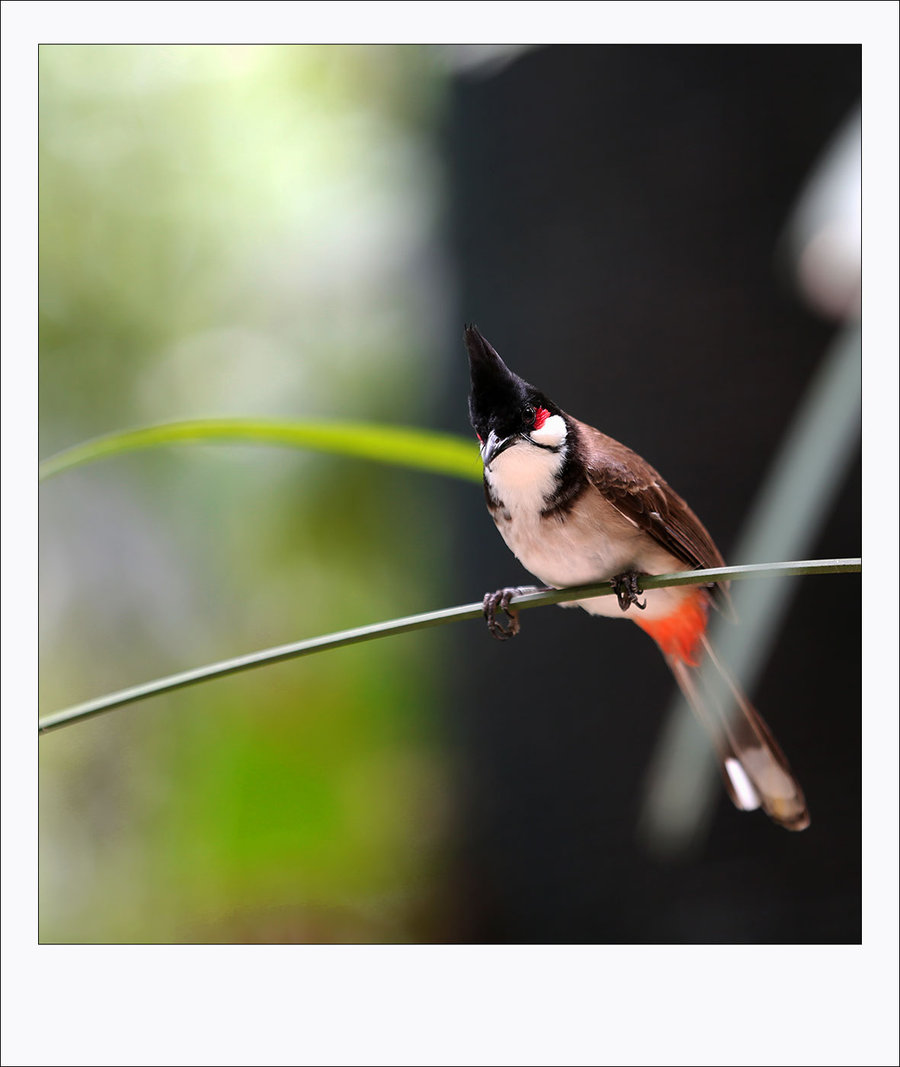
{"x": 505, "y": 410}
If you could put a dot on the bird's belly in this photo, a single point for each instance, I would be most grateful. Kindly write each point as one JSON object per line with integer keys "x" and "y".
{"x": 563, "y": 552}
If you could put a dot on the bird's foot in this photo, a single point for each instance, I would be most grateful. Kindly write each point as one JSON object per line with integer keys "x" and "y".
{"x": 627, "y": 588}
{"x": 499, "y": 601}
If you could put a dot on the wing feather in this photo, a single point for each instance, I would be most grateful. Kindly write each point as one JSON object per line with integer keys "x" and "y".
{"x": 641, "y": 495}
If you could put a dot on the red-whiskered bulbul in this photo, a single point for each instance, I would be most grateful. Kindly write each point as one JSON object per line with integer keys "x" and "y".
{"x": 575, "y": 507}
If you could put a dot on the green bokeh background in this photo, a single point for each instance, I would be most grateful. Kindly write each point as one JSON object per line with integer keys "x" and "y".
{"x": 247, "y": 230}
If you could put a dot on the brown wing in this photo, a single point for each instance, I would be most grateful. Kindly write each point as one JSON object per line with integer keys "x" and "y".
{"x": 639, "y": 492}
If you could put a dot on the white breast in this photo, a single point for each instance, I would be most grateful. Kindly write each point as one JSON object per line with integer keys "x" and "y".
{"x": 590, "y": 543}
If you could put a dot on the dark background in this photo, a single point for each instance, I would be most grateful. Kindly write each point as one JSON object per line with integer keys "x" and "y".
{"x": 615, "y": 215}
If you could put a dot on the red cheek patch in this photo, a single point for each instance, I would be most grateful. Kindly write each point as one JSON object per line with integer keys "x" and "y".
{"x": 540, "y": 417}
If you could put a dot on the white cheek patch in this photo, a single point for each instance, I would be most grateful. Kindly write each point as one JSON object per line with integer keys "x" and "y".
{"x": 552, "y": 433}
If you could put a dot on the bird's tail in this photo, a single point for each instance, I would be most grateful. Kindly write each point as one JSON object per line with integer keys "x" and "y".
{"x": 755, "y": 770}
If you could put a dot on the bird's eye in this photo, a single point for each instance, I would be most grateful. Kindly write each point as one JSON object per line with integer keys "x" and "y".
{"x": 528, "y": 414}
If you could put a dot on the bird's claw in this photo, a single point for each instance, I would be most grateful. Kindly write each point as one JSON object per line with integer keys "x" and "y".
{"x": 627, "y": 588}
{"x": 499, "y": 601}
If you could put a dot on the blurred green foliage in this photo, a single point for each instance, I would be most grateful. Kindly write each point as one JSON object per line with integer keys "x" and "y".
{"x": 239, "y": 231}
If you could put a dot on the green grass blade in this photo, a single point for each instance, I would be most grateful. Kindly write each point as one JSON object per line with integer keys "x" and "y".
{"x": 439, "y": 453}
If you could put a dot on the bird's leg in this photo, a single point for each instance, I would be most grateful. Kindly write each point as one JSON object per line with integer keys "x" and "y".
{"x": 500, "y": 601}
{"x": 627, "y": 588}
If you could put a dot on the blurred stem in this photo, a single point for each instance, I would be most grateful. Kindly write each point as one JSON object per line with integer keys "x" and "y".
{"x": 820, "y": 445}
{"x": 537, "y": 599}
{"x": 398, "y": 445}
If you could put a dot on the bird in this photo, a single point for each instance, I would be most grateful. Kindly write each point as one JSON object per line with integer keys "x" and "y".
{"x": 577, "y": 507}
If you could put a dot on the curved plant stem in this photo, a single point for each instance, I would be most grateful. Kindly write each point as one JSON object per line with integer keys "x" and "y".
{"x": 427, "y": 450}
{"x": 537, "y": 599}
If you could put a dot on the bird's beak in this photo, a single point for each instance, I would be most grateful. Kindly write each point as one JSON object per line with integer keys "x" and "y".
{"x": 493, "y": 446}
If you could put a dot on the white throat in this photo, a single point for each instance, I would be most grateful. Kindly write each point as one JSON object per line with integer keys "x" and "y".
{"x": 524, "y": 477}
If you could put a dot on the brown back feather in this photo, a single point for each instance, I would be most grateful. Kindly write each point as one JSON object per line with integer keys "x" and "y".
{"x": 641, "y": 494}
